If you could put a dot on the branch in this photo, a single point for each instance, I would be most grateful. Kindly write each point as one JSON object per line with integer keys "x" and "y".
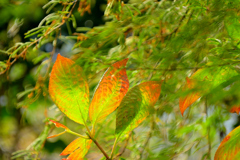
{"x": 188, "y": 68}
{"x": 9, "y": 63}
{"x": 148, "y": 138}
{"x": 124, "y": 147}
{"x": 208, "y": 131}
{"x": 98, "y": 145}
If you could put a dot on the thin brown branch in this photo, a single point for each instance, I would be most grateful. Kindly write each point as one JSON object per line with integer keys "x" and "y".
{"x": 99, "y": 146}
{"x": 10, "y": 63}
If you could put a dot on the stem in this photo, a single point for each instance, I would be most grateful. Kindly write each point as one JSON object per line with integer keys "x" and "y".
{"x": 98, "y": 145}
{"x": 208, "y": 132}
{"x": 125, "y": 146}
{"x": 114, "y": 145}
{"x": 76, "y": 134}
{"x": 148, "y": 137}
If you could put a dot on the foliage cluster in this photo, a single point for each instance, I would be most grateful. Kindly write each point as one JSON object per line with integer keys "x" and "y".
{"x": 164, "y": 41}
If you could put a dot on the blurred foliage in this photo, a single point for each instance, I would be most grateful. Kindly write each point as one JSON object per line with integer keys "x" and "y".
{"x": 163, "y": 39}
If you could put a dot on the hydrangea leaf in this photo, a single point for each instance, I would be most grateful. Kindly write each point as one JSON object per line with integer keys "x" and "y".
{"x": 77, "y": 149}
{"x": 135, "y": 106}
{"x": 229, "y": 148}
{"x": 68, "y": 88}
{"x": 110, "y": 91}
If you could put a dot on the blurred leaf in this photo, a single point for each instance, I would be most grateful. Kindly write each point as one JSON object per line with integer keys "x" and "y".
{"x": 17, "y": 71}
{"x": 135, "y": 106}
{"x": 185, "y": 102}
{"x": 68, "y": 88}
{"x": 235, "y": 109}
{"x": 40, "y": 58}
{"x": 233, "y": 27}
{"x": 213, "y": 78}
{"x": 110, "y": 91}
{"x": 229, "y": 148}
{"x": 83, "y": 29}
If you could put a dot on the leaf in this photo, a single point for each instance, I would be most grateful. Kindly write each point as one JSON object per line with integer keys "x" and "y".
{"x": 110, "y": 92}
{"x": 232, "y": 25}
{"x": 185, "y": 102}
{"x": 235, "y": 109}
{"x": 77, "y": 149}
{"x": 135, "y": 106}
{"x": 68, "y": 88}
{"x": 229, "y": 148}
{"x": 212, "y": 77}
{"x": 58, "y": 125}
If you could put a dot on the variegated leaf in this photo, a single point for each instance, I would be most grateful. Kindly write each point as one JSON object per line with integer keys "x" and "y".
{"x": 110, "y": 91}
{"x": 68, "y": 88}
{"x": 135, "y": 106}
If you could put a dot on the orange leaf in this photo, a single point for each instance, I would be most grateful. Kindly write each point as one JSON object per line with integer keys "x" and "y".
{"x": 68, "y": 88}
{"x": 235, "y": 109}
{"x": 59, "y": 125}
{"x": 185, "y": 102}
{"x": 110, "y": 92}
{"x": 229, "y": 148}
{"x": 77, "y": 149}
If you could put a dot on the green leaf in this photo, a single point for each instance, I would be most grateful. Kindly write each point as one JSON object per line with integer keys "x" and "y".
{"x": 209, "y": 79}
{"x": 68, "y": 88}
{"x": 233, "y": 27}
{"x": 135, "y": 106}
{"x": 229, "y": 148}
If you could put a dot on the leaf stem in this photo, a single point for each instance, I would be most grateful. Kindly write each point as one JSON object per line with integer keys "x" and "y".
{"x": 114, "y": 145}
{"x": 76, "y": 134}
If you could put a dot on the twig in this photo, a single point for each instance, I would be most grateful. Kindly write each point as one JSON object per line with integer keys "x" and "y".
{"x": 114, "y": 145}
{"x": 37, "y": 40}
{"x": 179, "y": 24}
{"x": 208, "y": 131}
{"x": 124, "y": 147}
{"x": 99, "y": 146}
{"x": 148, "y": 138}
{"x": 188, "y": 68}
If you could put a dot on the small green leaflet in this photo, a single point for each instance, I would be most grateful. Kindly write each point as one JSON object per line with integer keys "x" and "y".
{"x": 68, "y": 88}
{"x": 135, "y": 106}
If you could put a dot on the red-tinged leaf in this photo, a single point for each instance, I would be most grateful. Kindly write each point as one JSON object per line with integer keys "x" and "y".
{"x": 212, "y": 77}
{"x": 185, "y": 102}
{"x": 69, "y": 89}
{"x": 235, "y": 109}
{"x": 135, "y": 106}
{"x": 110, "y": 92}
{"x": 59, "y": 125}
{"x": 229, "y": 148}
{"x": 77, "y": 149}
